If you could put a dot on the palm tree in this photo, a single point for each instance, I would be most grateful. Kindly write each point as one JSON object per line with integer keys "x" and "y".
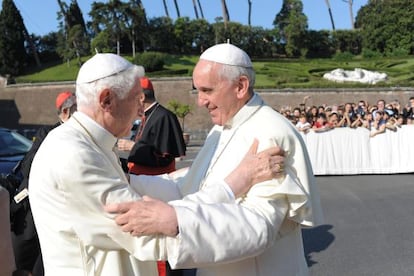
{"x": 249, "y": 2}
{"x": 330, "y": 14}
{"x": 165, "y": 8}
{"x": 350, "y": 2}
{"x": 226, "y": 16}
{"x": 64, "y": 10}
{"x": 177, "y": 8}
{"x": 195, "y": 8}
{"x": 201, "y": 10}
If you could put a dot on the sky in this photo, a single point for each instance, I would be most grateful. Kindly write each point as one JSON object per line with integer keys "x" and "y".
{"x": 40, "y": 16}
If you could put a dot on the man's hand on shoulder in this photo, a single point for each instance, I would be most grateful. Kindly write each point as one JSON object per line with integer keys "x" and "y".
{"x": 255, "y": 168}
{"x": 148, "y": 216}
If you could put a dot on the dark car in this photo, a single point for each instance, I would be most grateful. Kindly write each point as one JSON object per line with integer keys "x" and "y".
{"x": 13, "y": 147}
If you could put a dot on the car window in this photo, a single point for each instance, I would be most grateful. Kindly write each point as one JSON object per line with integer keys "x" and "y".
{"x": 12, "y": 143}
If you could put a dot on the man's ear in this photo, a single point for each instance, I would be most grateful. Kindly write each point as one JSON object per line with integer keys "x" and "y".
{"x": 243, "y": 86}
{"x": 105, "y": 99}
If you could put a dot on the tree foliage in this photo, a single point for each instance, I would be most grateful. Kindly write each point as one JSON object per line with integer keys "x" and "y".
{"x": 292, "y": 25}
{"x": 13, "y": 56}
{"x": 73, "y": 40}
{"x": 384, "y": 27}
{"x": 387, "y": 26}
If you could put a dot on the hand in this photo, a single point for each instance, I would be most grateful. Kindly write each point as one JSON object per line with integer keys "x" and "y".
{"x": 255, "y": 168}
{"x": 145, "y": 217}
{"x": 125, "y": 144}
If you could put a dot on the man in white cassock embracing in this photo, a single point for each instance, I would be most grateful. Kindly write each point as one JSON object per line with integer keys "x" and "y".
{"x": 258, "y": 233}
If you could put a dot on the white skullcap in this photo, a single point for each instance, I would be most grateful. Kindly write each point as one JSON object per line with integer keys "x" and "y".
{"x": 103, "y": 65}
{"x": 227, "y": 53}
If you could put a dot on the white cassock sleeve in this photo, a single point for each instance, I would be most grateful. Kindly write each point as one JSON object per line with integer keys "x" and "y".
{"x": 225, "y": 232}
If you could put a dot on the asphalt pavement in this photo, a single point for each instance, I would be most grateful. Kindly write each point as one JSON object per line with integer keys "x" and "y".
{"x": 369, "y": 224}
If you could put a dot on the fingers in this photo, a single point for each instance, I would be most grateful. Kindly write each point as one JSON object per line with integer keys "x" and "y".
{"x": 119, "y": 208}
{"x": 254, "y": 146}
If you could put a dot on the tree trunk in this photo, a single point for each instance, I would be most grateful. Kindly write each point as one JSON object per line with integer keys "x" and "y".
{"x": 249, "y": 15}
{"x": 330, "y": 14}
{"x": 195, "y": 8}
{"x": 201, "y": 10}
{"x": 165, "y": 8}
{"x": 65, "y": 16}
{"x": 350, "y": 2}
{"x": 32, "y": 47}
{"x": 177, "y": 8}
{"x": 226, "y": 16}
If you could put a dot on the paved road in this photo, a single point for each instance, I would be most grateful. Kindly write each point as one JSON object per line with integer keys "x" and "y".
{"x": 369, "y": 225}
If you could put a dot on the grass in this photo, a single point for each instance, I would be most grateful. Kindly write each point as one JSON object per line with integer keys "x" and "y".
{"x": 275, "y": 73}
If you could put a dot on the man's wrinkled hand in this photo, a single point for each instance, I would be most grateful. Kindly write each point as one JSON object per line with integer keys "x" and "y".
{"x": 255, "y": 168}
{"x": 145, "y": 217}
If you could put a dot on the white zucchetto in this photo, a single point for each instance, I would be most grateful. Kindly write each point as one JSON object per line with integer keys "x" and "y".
{"x": 103, "y": 65}
{"x": 228, "y": 54}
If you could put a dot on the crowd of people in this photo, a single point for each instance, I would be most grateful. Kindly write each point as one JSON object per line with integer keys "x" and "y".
{"x": 377, "y": 118}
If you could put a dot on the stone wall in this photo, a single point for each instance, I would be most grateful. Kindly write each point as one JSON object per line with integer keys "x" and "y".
{"x": 30, "y": 106}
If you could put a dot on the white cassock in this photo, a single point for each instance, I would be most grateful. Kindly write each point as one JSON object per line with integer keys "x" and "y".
{"x": 73, "y": 175}
{"x": 259, "y": 234}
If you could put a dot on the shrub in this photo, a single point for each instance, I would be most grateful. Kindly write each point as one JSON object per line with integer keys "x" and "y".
{"x": 152, "y": 61}
{"x": 343, "y": 56}
{"x": 367, "y": 53}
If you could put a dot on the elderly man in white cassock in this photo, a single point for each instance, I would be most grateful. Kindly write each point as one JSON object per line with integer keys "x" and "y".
{"x": 76, "y": 172}
{"x": 259, "y": 233}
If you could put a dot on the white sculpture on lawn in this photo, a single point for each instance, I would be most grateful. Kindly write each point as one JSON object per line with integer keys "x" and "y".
{"x": 358, "y": 75}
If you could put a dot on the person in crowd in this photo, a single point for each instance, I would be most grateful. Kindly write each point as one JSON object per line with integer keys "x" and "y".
{"x": 321, "y": 109}
{"x": 159, "y": 140}
{"x": 333, "y": 120}
{"x": 295, "y": 115}
{"x": 312, "y": 114}
{"x": 359, "y": 120}
{"x": 368, "y": 121}
{"x": 24, "y": 236}
{"x": 349, "y": 114}
{"x": 389, "y": 121}
{"x": 321, "y": 123}
{"x": 381, "y": 106}
{"x": 408, "y": 112}
{"x": 379, "y": 123}
{"x": 361, "y": 108}
{"x": 277, "y": 209}
{"x": 303, "y": 125}
{"x": 75, "y": 172}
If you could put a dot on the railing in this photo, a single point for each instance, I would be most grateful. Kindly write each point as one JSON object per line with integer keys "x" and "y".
{"x": 344, "y": 151}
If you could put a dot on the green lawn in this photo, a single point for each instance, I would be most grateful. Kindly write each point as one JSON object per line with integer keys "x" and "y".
{"x": 276, "y": 73}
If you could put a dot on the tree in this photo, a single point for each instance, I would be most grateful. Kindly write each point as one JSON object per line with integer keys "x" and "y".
{"x": 292, "y": 24}
{"x": 203, "y": 34}
{"x": 330, "y": 14}
{"x": 75, "y": 39}
{"x": 195, "y": 9}
{"x": 109, "y": 17}
{"x": 165, "y": 8}
{"x": 13, "y": 56}
{"x": 225, "y": 12}
{"x": 249, "y": 13}
{"x": 177, "y": 9}
{"x": 161, "y": 34}
{"x": 351, "y": 13}
{"x": 183, "y": 35}
{"x": 387, "y": 26}
{"x": 181, "y": 110}
{"x": 201, "y": 9}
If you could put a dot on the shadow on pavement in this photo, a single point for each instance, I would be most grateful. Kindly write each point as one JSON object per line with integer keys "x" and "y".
{"x": 316, "y": 239}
